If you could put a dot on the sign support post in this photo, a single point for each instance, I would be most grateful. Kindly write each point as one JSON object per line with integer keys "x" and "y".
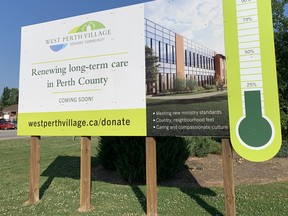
{"x": 151, "y": 177}
{"x": 228, "y": 177}
{"x": 85, "y": 174}
{"x": 34, "y": 170}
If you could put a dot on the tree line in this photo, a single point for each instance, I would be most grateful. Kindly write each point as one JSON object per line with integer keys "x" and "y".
{"x": 9, "y": 97}
{"x": 280, "y": 22}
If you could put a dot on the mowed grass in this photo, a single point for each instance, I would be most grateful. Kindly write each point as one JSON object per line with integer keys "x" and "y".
{"x": 60, "y": 188}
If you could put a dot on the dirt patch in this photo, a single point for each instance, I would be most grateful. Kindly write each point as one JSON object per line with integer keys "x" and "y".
{"x": 207, "y": 172}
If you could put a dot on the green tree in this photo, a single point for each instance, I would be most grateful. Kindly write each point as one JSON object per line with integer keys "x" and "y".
{"x": 4, "y": 98}
{"x": 9, "y": 97}
{"x": 280, "y": 22}
{"x": 152, "y": 69}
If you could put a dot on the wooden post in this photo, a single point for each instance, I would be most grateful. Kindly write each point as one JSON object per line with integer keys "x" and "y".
{"x": 85, "y": 174}
{"x": 228, "y": 176}
{"x": 151, "y": 176}
{"x": 34, "y": 170}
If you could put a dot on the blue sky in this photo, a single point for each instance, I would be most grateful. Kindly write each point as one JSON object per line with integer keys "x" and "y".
{"x": 199, "y": 20}
{"x": 208, "y": 30}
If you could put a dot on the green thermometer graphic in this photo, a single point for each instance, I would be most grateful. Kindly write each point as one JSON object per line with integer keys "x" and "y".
{"x": 252, "y": 82}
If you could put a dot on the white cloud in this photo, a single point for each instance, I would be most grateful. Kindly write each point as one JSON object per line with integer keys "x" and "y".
{"x": 199, "y": 20}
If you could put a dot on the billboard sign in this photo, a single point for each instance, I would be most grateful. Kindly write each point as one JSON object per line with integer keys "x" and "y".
{"x": 84, "y": 75}
{"x": 189, "y": 94}
{"x": 253, "y": 93}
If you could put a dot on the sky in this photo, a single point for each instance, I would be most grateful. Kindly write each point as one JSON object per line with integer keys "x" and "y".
{"x": 199, "y": 20}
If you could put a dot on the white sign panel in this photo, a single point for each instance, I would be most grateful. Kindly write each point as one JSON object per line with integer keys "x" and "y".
{"x": 87, "y": 69}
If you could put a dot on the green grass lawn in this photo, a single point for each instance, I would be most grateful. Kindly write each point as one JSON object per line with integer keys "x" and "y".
{"x": 60, "y": 187}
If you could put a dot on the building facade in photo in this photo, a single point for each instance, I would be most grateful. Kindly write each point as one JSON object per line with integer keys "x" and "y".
{"x": 181, "y": 58}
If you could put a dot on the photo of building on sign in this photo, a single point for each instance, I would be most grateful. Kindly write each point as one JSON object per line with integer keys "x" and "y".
{"x": 187, "y": 86}
{"x": 181, "y": 58}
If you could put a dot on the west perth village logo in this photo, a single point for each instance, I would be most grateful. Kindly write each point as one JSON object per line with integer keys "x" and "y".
{"x": 89, "y": 32}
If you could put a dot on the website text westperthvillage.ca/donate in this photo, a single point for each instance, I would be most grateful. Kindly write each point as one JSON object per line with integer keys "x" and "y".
{"x": 80, "y": 123}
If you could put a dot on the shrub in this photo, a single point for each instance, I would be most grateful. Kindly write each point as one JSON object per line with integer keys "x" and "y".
{"x": 284, "y": 124}
{"x": 172, "y": 153}
{"x": 283, "y": 152}
{"x": 106, "y": 153}
{"x": 202, "y": 146}
{"x": 208, "y": 87}
{"x": 199, "y": 88}
{"x": 180, "y": 84}
{"x": 191, "y": 84}
{"x": 127, "y": 156}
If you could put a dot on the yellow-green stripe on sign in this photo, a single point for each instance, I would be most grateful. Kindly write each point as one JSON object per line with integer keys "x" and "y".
{"x": 252, "y": 80}
{"x": 126, "y": 122}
